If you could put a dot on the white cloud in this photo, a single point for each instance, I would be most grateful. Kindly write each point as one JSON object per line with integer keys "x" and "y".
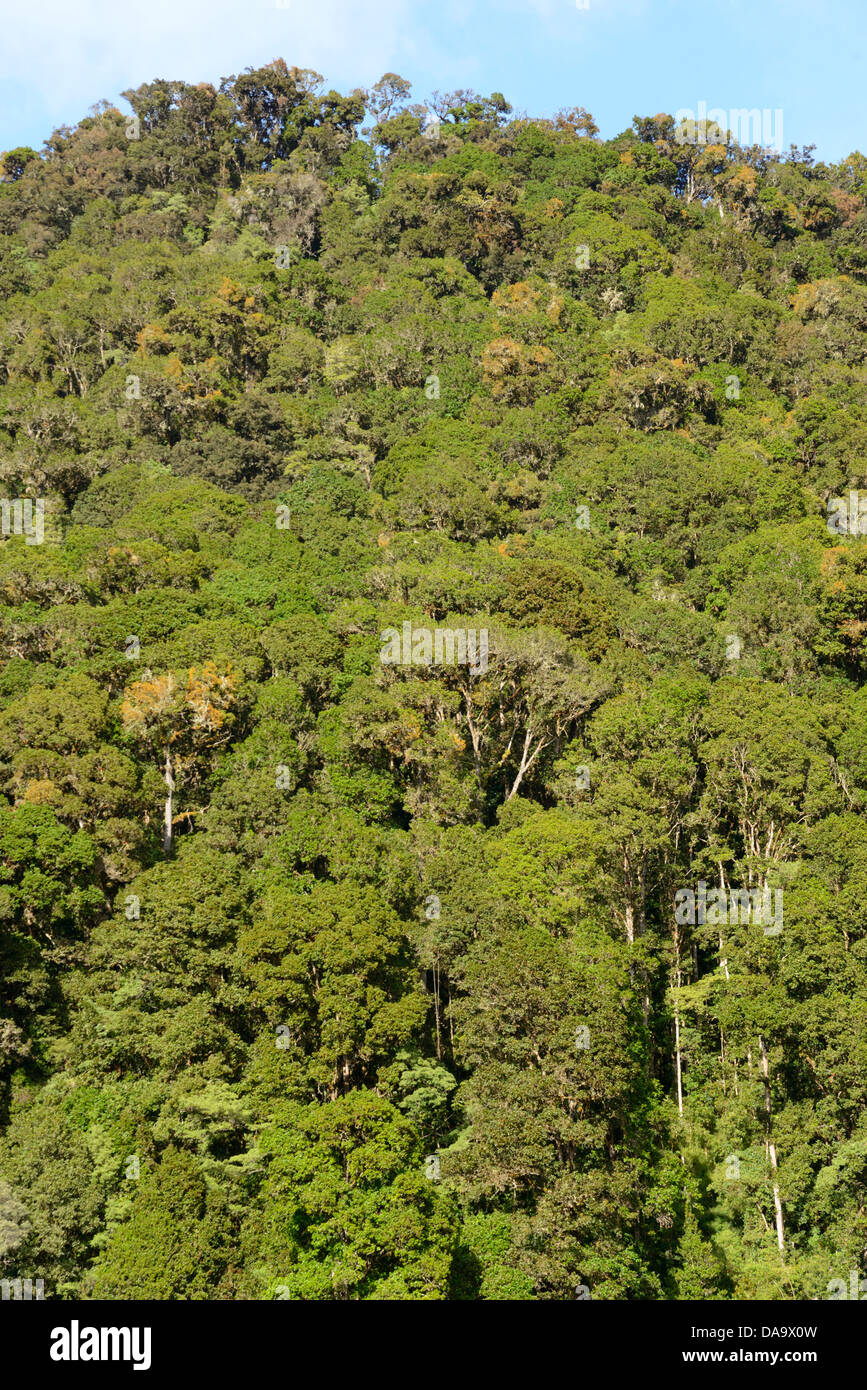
{"x": 65, "y": 56}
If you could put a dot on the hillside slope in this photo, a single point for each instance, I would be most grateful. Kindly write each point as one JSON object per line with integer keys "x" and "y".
{"x": 432, "y": 724}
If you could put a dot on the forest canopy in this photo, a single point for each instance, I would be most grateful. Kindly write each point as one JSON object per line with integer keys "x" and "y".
{"x": 519, "y": 953}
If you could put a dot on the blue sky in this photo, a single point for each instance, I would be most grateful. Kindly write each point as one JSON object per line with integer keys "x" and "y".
{"x": 617, "y": 58}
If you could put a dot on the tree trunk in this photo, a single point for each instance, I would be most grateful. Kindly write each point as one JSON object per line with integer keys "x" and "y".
{"x": 527, "y": 759}
{"x": 436, "y": 993}
{"x": 630, "y": 911}
{"x": 476, "y": 740}
{"x": 167, "y": 817}
{"x": 677, "y": 1059}
{"x": 772, "y": 1152}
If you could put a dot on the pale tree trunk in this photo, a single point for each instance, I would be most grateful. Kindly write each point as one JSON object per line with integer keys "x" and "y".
{"x": 527, "y": 759}
{"x": 167, "y": 816}
{"x": 724, "y": 965}
{"x": 772, "y": 1152}
{"x": 723, "y": 958}
{"x": 642, "y": 895}
{"x": 677, "y": 1058}
{"x": 630, "y": 912}
{"x": 475, "y": 739}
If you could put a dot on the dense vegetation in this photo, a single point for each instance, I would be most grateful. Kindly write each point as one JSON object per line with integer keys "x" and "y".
{"x": 325, "y": 978}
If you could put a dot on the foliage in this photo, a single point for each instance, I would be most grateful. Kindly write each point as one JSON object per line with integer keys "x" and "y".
{"x": 325, "y": 976}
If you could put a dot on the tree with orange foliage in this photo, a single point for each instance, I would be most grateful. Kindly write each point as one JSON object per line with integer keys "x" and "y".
{"x": 178, "y": 722}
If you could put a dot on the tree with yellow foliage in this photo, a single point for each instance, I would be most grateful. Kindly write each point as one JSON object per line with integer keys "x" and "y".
{"x": 178, "y": 723}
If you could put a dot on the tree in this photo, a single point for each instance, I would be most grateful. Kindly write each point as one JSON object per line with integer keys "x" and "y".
{"x": 349, "y": 1210}
{"x": 177, "y": 1242}
{"x": 176, "y": 723}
